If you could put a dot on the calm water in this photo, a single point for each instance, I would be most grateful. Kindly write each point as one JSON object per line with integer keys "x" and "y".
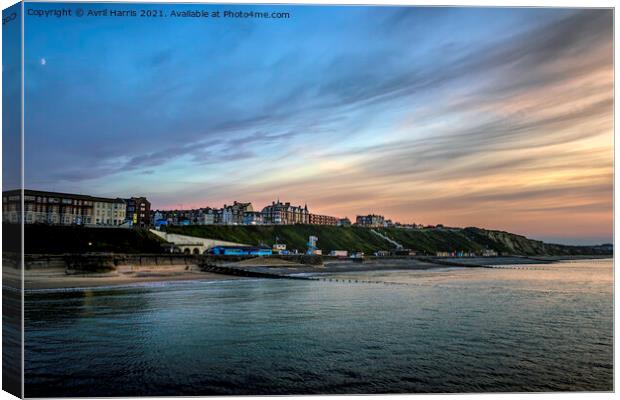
{"x": 544, "y": 328}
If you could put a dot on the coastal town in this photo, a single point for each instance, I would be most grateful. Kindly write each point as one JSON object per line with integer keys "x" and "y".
{"x": 53, "y": 208}
{"x": 66, "y": 209}
{"x": 202, "y": 230}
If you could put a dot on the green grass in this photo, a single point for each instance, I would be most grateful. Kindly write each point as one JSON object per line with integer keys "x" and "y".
{"x": 43, "y": 239}
{"x": 295, "y": 236}
{"x": 424, "y": 241}
{"x": 336, "y": 238}
{"x": 427, "y": 241}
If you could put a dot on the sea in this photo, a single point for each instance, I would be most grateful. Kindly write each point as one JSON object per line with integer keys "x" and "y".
{"x": 513, "y": 328}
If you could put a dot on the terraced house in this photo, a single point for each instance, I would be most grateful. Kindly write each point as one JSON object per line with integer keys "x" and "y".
{"x": 233, "y": 214}
{"x": 138, "y": 212}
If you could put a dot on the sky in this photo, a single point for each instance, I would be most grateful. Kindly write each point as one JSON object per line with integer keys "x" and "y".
{"x": 11, "y": 90}
{"x": 493, "y": 117}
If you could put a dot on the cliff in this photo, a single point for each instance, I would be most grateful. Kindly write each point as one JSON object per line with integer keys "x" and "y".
{"x": 42, "y": 239}
{"x": 424, "y": 241}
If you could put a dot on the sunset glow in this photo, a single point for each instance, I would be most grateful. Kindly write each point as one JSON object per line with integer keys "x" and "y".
{"x": 498, "y": 118}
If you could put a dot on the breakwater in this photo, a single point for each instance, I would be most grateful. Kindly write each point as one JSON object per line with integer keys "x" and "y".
{"x": 235, "y": 271}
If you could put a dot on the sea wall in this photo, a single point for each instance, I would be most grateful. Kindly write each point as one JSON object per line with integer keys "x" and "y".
{"x": 90, "y": 262}
{"x": 103, "y": 262}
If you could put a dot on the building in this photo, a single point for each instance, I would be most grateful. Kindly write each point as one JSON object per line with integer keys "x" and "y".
{"x": 403, "y": 252}
{"x": 252, "y": 218}
{"x": 203, "y": 216}
{"x": 198, "y": 216}
{"x": 279, "y": 248}
{"x": 370, "y": 221}
{"x": 11, "y": 206}
{"x": 210, "y": 216}
{"x": 240, "y": 251}
{"x": 234, "y": 214}
{"x": 489, "y": 253}
{"x": 316, "y": 219}
{"x": 138, "y": 212}
{"x": 344, "y": 222}
{"x": 158, "y": 219}
{"x": 285, "y": 214}
{"x": 206, "y": 216}
{"x": 108, "y": 211}
{"x": 41, "y": 207}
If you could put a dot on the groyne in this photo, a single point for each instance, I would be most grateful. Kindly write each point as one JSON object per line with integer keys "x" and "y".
{"x": 236, "y": 271}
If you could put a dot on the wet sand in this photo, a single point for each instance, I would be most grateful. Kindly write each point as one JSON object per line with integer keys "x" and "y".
{"x": 57, "y": 278}
{"x": 335, "y": 266}
{"x": 330, "y": 266}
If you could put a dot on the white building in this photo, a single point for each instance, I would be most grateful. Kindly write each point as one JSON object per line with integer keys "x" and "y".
{"x": 108, "y": 212}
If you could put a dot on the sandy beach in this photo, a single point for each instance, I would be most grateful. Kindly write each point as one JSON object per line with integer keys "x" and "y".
{"x": 57, "y": 278}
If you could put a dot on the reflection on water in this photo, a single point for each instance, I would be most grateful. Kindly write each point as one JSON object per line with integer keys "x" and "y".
{"x": 547, "y": 327}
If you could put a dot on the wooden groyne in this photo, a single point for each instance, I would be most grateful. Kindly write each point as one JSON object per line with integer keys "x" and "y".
{"x": 449, "y": 263}
{"x": 452, "y": 263}
{"x": 235, "y": 271}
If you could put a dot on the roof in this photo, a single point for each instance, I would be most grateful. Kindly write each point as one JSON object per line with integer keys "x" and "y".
{"x": 241, "y": 247}
{"x": 28, "y": 192}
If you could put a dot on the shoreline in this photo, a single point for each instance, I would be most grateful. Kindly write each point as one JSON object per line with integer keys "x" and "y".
{"x": 57, "y": 278}
{"x": 127, "y": 275}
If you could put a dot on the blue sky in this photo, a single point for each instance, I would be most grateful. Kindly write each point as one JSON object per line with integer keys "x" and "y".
{"x": 499, "y": 118}
{"x": 11, "y": 109}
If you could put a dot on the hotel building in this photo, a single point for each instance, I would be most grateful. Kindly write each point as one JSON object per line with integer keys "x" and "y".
{"x": 316, "y": 219}
{"x": 53, "y": 208}
{"x": 285, "y": 214}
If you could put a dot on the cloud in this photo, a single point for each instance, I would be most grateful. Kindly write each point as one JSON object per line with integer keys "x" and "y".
{"x": 419, "y": 113}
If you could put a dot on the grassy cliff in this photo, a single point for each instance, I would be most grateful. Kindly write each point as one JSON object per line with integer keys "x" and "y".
{"x": 42, "y": 239}
{"x": 424, "y": 241}
{"x": 294, "y": 236}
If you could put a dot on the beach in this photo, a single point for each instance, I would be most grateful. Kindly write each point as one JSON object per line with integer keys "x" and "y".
{"x": 55, "y": 276}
